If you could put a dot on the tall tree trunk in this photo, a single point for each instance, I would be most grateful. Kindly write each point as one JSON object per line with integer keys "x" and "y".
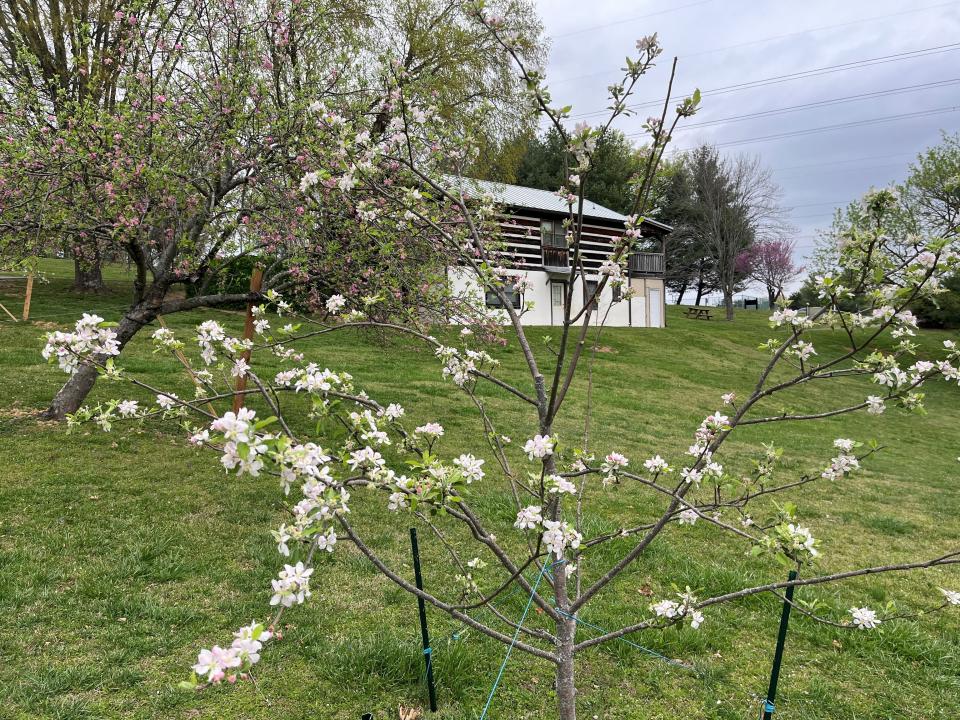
{"x": 772, "y": 295}
{"x": 75, "y": 390}
{"x": 728, "y": 302}
{"x": 87, "y": 274}
{"x": 566, "y": 690}
{"x": 680, "y": 293}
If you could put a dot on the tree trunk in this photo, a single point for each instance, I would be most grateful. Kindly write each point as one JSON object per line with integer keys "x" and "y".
{"x": 87, "y": 274}
{"x": 680, "y": 293}
{"x": 772, "y": 295}
{"x": 699, "y": 293}
{"x": 71, "y": 396}
{"x": 566, "y": 690}
{"x": 728, "y": 303}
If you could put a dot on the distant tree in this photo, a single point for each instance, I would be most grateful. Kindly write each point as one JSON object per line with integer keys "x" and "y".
{"x": 616, "y": 165}
{"x": 689, "y": 264}
{"x": 736, "y": 203}
{"x": 770, "y": 262}
{"x": 930, "y": 197}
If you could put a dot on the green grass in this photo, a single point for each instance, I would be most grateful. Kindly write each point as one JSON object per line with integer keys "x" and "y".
{"x": 122, "y": 554}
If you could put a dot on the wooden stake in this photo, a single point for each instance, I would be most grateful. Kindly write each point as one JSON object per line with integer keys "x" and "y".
{"x": 186, "y": 364}
{"x": 256, "y": 281}
{"x": 12, "y": 316}
{"x": 26, "y": 299}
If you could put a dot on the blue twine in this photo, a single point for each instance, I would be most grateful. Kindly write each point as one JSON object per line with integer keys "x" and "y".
{"x": 513, "y": 642}
{"x": 768, "y": 706}
{"x": 428, "y": 651}
{"x": 627, "y": 641}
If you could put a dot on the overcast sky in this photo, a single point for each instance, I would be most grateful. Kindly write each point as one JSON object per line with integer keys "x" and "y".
{"x": 721, "y": 43}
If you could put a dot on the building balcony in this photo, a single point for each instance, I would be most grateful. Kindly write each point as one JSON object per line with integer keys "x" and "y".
{"x": 556, "y": 260}
{"x": 644, "y": 264}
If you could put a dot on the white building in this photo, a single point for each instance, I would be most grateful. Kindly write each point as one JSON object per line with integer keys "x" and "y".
{"x": 536, "y": 247}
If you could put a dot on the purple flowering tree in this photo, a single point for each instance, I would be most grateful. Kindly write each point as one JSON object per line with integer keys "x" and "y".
{"x": 770, "y": 263}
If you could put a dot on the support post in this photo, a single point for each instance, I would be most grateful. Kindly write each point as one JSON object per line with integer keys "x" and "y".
{"x": 186, "y": 364}
{"x": 768, "y": 705}
{"x": 256, "y": 282}
{"x": 26, "y": 298}
{"x": 424, "y": 633}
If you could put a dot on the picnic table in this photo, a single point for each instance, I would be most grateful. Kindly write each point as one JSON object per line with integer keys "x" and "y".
{"x": 699, "y": 313}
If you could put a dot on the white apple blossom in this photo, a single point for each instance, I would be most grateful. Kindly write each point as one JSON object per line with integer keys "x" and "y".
{"x": 559, "y": 484}
{"x": 656, "y": 464}
{"x": 470, "y": 467}
{"x": 335, "y": 303}
{"x": 128, "y": 408}
{"x": 558, "y": 535}
{"x": 952, "y": 596}
{"x": 430, "y": 430}
{"x": 292, "y": 585}
{"x": 89, "y": 338}
{"x": 214, "y": 663}
{"x": 864, "y": 618}
{"x": 538, "y": 447}
{"x": 167, "y": 401}
{"x": 875, "y": 405}
{"x": 529, "y": 517}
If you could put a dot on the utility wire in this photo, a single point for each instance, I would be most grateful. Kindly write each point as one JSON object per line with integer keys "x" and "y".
{"x": 828, "y": 128}
{"x": 628, "y": 20}
{"x": 818, "y": 103}
{"x": 799, "y": 75}
{"x": 771, "y": 38}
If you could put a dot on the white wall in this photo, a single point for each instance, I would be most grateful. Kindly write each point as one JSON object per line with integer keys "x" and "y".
{"x": 626, "y": 313}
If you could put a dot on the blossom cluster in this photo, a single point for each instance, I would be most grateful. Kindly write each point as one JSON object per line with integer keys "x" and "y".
{"x": 91, "y": 336}
{"x": 685, "y": 606}
{"x": 218, "y": 664}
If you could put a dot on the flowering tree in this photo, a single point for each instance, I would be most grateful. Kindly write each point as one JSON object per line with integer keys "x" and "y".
{"x": 194, "y": 164}
{"x": 353, "y": 450}
{"x": 769, "y": 262}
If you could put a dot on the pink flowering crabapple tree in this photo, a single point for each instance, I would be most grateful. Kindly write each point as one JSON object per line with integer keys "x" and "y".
{"x": 176, "y": 143}
{"x": 370, "y": 454}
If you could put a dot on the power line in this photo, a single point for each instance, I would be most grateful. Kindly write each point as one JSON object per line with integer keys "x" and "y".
{"x": 771, "y": 38}
{"x": 827, "y": 128}
{"x": 861, "y": 168}
{"x": 799, "y": 75}
{"x": 820, "y": 103}
{"x": 848, "y": 160}
{"x": 632, "y": 19}
{"x": 858, "y": 21}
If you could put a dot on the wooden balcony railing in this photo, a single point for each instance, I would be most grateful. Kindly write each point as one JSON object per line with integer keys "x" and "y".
{"x": 556, "y": 257}
{"x": 647, "y": 264}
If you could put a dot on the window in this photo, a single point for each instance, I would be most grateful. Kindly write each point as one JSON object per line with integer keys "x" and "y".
{"x": 513, "y": 296}
{"x": 553, "y": 234}
{"x": 557, "y": 290}
{"x": 553, "y": 239}
{"x": 591, "y": 289}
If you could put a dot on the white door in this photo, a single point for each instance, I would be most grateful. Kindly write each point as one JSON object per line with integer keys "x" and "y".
{"x": 656, "y": 307}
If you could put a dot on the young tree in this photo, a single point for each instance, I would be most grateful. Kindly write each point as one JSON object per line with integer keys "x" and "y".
{"x": 551, "y": 483}
{"x": 769, "y": 262}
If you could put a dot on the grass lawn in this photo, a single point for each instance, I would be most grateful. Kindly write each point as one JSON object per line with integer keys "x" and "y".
{"x": 121, "y": 554}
